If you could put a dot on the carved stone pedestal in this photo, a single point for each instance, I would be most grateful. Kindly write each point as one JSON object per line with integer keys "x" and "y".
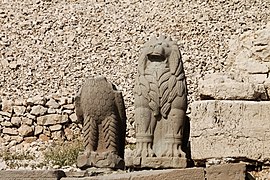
{"x": 104, "y": 159}
{"x": 157, "y": 162}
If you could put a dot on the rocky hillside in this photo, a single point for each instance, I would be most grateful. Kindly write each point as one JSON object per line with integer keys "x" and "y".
{"x": 50, "y": 46}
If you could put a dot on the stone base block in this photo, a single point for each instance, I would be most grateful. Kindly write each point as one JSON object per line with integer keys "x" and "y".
{"x": 156, "y": 162}
{"x": 226, "y": 172}
{"x": 174, "y": 174}
{"x": 237, "y": 129}
{"x": 31, "y": 174}
{"x": 102, "y": 160}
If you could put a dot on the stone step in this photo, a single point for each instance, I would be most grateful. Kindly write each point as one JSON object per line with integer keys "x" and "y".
{"x": 175, "y": 174}
{"x": 220, "y": 172}
{"x": 31, "y": 174}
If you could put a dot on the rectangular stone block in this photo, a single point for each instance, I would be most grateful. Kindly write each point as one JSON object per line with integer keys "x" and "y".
{"x": 174, "y": 174}
{"x": 222, "y": 129}
{"x": 52, "y": 119}
{"x": 156, "y": 162}
{"x": 164, "y": 162}
{"x": 224, "y": 86}
{"x": 31, "y": 174}
{"x": 226, "y": 172}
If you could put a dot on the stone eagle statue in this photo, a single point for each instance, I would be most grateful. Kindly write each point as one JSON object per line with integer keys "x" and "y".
{"x": 101, "y": 109}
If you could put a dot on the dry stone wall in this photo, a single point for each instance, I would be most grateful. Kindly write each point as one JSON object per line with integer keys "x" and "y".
{"x": 43, "y": 118}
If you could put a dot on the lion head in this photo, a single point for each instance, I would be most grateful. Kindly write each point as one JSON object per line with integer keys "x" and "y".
{"x": 161, "y": 49}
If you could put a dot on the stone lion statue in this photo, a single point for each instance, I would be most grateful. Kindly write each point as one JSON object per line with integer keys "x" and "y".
{"x": 160, "y": 100}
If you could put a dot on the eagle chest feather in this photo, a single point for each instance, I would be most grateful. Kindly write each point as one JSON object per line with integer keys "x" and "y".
{"x": 102, "y": 100}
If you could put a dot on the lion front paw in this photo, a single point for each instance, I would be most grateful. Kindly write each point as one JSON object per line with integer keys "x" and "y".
{"x": 173, "y": 151}
{"x": 145, "y": 151}
{"x": 148, "y": 152}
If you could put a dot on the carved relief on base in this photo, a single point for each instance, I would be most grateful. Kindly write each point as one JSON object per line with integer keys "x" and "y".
{"x": 157, "y": 162}
{"x": 108, "y": 160}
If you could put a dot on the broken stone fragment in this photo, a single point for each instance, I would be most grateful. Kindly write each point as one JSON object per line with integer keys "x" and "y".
{"x": 55, "y": 127}
{"x": 68, "y": 106}
{"x": 6, "y": 124}
{"x": 6, "y": 114}
{"x": 38, "y": 100}
{"x": 73, "y": 117}
{"x": 10, "y": 131}
{"x": 38, "y": 110}
{"x": 20, "y": 102}
{"x": 252, "y": 67}
{"x": 52, "y": 119}
{"x": 67, "y": 111}
{"x": 221, "y": 86}
{"x": 7, "y": 105}
{"x": 52, "y": 104}
{"x": 13, "y": 65}
{"x": 52, "y": 111}
{"x": 16, "y": 121}
{"x": 63, "y": 101}
{"x": 19, "y": 110}
{"x": 38, "y": 130}
{"x": 25, "y": 130}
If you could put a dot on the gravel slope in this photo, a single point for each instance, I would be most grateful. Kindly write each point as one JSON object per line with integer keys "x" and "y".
{"x": 51, "y": 46}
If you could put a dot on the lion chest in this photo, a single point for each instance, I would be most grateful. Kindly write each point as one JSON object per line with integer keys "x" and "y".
{"x": 154, "y": 70}
{"x": 157, "y": 74}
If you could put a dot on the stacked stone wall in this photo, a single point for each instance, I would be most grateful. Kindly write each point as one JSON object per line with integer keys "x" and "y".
{"x": 44, "y": 118}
